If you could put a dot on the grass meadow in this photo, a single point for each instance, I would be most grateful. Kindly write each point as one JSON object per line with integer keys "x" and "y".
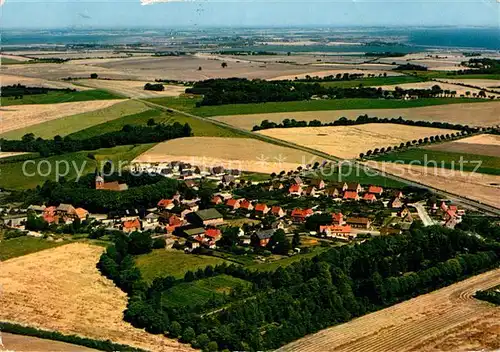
{"x": 56, "y": 97}
{"x": 20, "y": 246}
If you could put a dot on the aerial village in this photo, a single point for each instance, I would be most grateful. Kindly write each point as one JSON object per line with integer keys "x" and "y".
{"x": 246, "y": 215}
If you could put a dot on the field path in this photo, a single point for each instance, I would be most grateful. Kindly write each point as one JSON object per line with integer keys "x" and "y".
{"x": 446, "y": 317}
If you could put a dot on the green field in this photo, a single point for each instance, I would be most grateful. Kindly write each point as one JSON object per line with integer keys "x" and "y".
{"x": 448, "y": 160}
{"x": 356, "y": 174}
{"x": 55, "y": 97}
{"x": 161, "y": 263}
{"x": 445, "y": 74}
{"x": 374, "y": 81}
{"x": 13, "y": 176}
{"x": 9, "y": 61}
{"x": 200, "y": 291}
{"x": 271, "y": 266}
{"x": 20, "y": 246}
{"x": 70, "y": 124}
{"x": 188, "y": 105}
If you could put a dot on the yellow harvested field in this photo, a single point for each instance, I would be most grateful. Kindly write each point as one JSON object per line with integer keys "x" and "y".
{"x": 472, "y": 114}
{"x": 349, "y": 141}
{"x": 476, "y": 186}
{"x": 9, "y": 154}
{"x": 445, "y": 86}
{"x": 483, "y": 83}
{"x": 8, "y": 80}
{"x": 233, "y": 153}
{"x": 60, "y": 289}
{"x": 486, "y": 139}
{"x": 20, "y": 343}
{"x": 20, "y": 116}
{"x": 133, "y": 89}
{"x": 449, "y": 319}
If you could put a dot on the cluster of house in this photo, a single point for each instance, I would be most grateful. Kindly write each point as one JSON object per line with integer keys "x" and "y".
{"x": 450, "y": 214}
{"x": 186, "y": 171}
{"x": 347, "y": 191}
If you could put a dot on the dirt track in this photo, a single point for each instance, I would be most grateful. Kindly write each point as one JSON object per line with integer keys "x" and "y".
{"x": 61, "y": 289}
{"x": 449, "y": 319}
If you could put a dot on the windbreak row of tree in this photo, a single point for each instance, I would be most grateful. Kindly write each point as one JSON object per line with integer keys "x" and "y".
{"x": 127, "y": 135}
{"x": 338, "y": 77}
{"x": 385, "y": 54}
{"x": 331, "y": 288}
{"x": 362, "y": 119}
{"x": 244, "y": 91}
{"x": 100, "y": 345}
{"x": 19, "y": 90}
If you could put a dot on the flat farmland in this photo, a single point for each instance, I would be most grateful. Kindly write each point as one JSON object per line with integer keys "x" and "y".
{"x": 484, "y": 144}
{"x": 428, "y": 85}
{"x": 483, "y": 83}
{"x": 479, "y": 187}
{"x": 472, "y": 114}
{"x": 8, "y": 80}
{"x": 132, "y": 89}
{"x": 239, "y": 153}
{"x": 449, "y": 319}
{"x": 338, "y": 68}
{"x": 24, "y": 116}
{"x": 49, "y": 120}
{"x": 349, "y": 141}
{"x": 60, "y": 289}
{"x": 20, "y": 343}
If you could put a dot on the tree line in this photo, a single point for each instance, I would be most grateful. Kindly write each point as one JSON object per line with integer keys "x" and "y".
{"x": 304, "y": 297}
{"x": 244, "y": 91}
{"x": 360, "y": 120}
{"x": 19, "y": 90}
{"x": 127, "y": 135}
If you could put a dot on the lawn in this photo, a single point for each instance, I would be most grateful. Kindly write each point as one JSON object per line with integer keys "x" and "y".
{"x": 70, "y": 124}
{"x": 39, "y": 170}
{"x": 448, "y": 160}
{"x": 189, "y": 105}
{"x": 56, "y": 97}
{"x": 200, "y": 291}
{"x": 161, "y": 263}
{"x": 273, "y": 265}
{"x": 20, "y": 246}
{"x": 374, "y": 81}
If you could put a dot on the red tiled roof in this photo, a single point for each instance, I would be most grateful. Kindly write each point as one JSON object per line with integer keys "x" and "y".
{"x": 301, "y": 212}
{"x": 336, "y": 228}
{"x": 165, "y": 202}
{"x": 276, "y": 209}
{"x": 369, "y": 196}
{"x": 453, "y": 208}
{"x": 294, "y": 188}
{"x": 213, "y": 233}
{"x": 375, "y": 189}
{"x": 245, "y": 204}
{"x": 260, "y": 207}
{"x": 232, "y": 202}
{"x": 337, "y": 217}
{"x": 216, "y": 200}
{"x": 174, "y": 220}
{"x": 351, "y": 195}
{"x": 132, "y": 224}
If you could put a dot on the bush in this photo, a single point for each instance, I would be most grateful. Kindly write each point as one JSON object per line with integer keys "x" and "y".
{"x": 94, "y": 75}
{"x": 159, "y": 243}
{"x": 154, "y": 86}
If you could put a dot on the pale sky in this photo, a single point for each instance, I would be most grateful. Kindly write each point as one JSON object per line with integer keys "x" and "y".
{"x": 130, "y": 13}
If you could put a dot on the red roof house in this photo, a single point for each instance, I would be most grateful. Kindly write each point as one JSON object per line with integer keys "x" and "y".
{"x": 233, "y": 203}
{"x": 214, "y": 234}
{"x": 245, "y": 204}
{"x": 370, "y": 197}
{"x": 336, "y": 231}
{"x": 166, "y": 204}
{"x": 338, "y": 218}
{"x": 351, "y": 195}
{"x": 217, "y": 200}
{"x": 262, "y": 208}
{"x": 131, "y": 225}
{"x": 278, "y": 211}
{"x": 300, "y": 215}
{"x": 295, "y": 189}
{"x": 375, "y": 190}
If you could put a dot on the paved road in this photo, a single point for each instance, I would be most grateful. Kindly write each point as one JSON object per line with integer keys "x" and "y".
{"x": 457, "y": 199}
{"x": 422, "y": 213}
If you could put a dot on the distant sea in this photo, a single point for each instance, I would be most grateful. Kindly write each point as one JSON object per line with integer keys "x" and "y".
{"x": 414, "y": 39}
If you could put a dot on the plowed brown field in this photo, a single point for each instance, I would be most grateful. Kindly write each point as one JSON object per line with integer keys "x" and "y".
{"x": 449, "y": 319}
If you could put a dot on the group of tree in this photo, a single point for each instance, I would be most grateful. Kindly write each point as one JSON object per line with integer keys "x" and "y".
{"x": 19, "y": 90}
{"x": 411, "y": 67}
{"x": 244, "y": 91}
{"x": 480, "y": 66}
{"x": 283, "y": 305}
{"x": 154, "y": 86}
{"x": 128, "y": 135}
{"x": 360, "y": 120}
{"x": 347, "y": 76}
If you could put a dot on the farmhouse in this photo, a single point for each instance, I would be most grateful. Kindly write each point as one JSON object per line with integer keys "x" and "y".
{"x": 216, "y": 200}
{"x": 375, "y": 190}
{"x": 194, "y": 232}
{"x": 247, "y": 205}
{"x": 318, "y": 183}
{"x": 333, "y": 192}
{"x": 354, "y": 187}
{"x": 166, "y": 204}
{"x": 15, "y": 221}
{"x": 264, "y": 236}
{"x": 359, "y": 222}
{"x": 338, "y": 219}
{"x": 81, "y": 214}
{"x": 233, "y": 203}
{"x": 310, "y": 191}
{"x": 109, "y": 186}
{"x": 295, "y": 190}
{"x": 370, "y": 197}
{"x": 131, "y": 226}
{"x": 336, "y": 231}
{"x": 214, "y": 234}
{"x": 208, "y": 217}
{"x": 395, "y": 203}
